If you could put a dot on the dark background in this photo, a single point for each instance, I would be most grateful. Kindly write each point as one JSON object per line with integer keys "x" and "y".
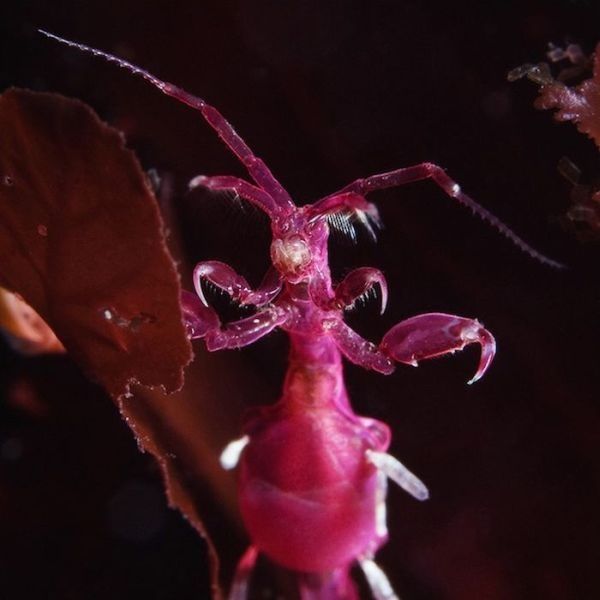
{"x": 327, "y": 92}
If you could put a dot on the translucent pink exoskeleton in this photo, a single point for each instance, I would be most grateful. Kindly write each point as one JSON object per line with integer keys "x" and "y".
{"x": 312, "y": 473}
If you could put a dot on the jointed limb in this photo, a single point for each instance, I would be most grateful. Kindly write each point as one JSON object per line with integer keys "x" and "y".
{"x": 358, "y": 350}
{"x": 245, "y": 331}
{"x": 225, "y": 278}
{"x": 421, "y": 337}
{"x": 344, "y": 200}
{"x": 352, "y": 204}
{"x": 357, "y": 284}
{"x": 439, "y": 177}
{"x": 238, "y": 186}
{"x": 203, "y": 322}
{"x": 256, "y": 167}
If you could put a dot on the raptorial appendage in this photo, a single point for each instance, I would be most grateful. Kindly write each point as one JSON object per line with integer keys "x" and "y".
{"x": 436, "y": 334}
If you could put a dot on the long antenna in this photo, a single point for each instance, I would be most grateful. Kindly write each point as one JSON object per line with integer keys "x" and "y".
{"x": 256, "y": 167}
{"x": 431, "y": 171}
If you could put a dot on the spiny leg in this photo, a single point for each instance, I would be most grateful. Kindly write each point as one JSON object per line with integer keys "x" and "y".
{"x": 241, "y": 188}
{"x": 342, "y": 201}
{"x": 421, "y": 337}
{"x": 358, "y": 350}
{"x": 202, "y": 321}
{"x": 255, "y": 166}
{"x": 349, "y": 204}
{"x": 357, "y": 284}
{"x": 243, "y": 572}
{"x": 237, "y": 334}
{"x": 439, "y": 177}
{"x": 435, "y": 334}
{"x": 225, "y": 278}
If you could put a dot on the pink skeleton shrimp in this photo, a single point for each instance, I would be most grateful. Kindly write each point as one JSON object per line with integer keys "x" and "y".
{"x": 312, "y": 473}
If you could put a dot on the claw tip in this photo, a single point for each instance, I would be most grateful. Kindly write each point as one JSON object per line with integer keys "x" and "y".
{"x": 382, "y": 309}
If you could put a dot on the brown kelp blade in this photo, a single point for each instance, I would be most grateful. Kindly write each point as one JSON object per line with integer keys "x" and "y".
{"x": 82, "y": 242}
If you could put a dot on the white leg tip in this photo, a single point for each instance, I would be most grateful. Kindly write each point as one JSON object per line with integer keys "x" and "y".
{"x": 231, "y": 454}
{"x": 380, "y": 585}
{"x": 398, "y": 473}
{"x": 380, "y": 506}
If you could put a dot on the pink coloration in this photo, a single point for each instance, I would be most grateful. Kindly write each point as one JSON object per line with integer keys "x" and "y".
{"x": 580, "y": 103}
{"x": 316, "y": 480}
{"x": 313, "y": 474}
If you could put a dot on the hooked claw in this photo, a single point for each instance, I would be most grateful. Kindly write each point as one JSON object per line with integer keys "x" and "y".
{"x": 222, "y": 276}
{"x": 225, "y": 278}
{"x": 358, "y": 284}
{"x": 436, "y": 334}
{"x": 197, "y": 318}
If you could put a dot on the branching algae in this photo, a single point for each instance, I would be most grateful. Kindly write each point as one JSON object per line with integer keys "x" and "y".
{"x": 579, "y": 104}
